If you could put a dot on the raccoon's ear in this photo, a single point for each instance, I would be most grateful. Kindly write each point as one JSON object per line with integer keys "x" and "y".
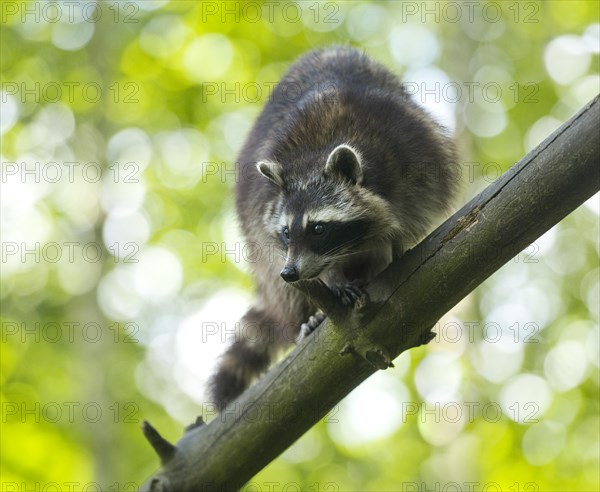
{"x": 271, "y": 171}
{"x": 344, "y": 162}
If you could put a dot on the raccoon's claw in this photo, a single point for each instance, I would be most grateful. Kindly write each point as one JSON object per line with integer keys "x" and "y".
{"x": 311, "y": 325}
{"x": 348, "y": 294}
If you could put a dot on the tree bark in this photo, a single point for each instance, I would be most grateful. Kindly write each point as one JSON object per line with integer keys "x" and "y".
{"x": 404, "y": 303}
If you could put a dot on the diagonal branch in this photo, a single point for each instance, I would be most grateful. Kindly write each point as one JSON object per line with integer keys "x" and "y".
{"x": 405, "y": 302}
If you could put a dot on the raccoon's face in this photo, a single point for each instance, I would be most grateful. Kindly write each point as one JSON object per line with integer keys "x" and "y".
{"x": 324, "y": 222}
{"x": 315, "y": 244}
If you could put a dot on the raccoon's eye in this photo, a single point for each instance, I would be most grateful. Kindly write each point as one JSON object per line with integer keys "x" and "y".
{"x": 318, "y": 229}
{"x": 286, "y": 233}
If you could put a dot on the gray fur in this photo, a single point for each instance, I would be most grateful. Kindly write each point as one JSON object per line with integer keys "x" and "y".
{"x": 352, "y": 153}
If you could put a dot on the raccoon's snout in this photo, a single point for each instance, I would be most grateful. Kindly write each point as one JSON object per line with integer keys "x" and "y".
{"x": 290, "y": 273}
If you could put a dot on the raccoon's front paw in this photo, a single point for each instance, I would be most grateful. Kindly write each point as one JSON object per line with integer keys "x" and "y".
{"x": 348, "y": 294}
{"x": 311, "y": 325}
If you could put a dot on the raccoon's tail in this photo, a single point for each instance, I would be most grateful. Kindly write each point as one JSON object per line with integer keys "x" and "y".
{"x": 246, "y": 358}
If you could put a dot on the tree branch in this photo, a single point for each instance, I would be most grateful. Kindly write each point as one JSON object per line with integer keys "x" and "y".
{"x": 405, "y": 302}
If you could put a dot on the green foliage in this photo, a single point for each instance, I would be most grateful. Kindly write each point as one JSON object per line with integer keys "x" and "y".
{"x": 115, "y": 277}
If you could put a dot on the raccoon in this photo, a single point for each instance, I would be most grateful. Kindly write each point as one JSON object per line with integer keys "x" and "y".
{"x": 340, "y": 174}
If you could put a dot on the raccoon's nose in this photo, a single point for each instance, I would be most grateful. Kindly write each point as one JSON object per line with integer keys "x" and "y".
{"x": 289, "y": 273}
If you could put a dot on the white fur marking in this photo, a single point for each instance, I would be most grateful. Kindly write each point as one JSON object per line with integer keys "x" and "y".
{"x": 330, "y": 214}
{"x": 328, "y": 164}
{"x": 285, "y": 220}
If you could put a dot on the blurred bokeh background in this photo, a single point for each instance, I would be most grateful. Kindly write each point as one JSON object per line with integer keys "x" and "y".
{"x": 123, "y": 274}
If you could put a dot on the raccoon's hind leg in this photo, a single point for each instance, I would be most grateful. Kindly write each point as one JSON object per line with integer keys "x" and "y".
{"x": 311, "y": 325}
{"x": 247, "y": 357}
